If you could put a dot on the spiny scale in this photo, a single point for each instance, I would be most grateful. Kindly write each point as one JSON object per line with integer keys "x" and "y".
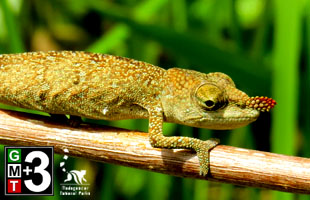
{"x": 261, "y": 103}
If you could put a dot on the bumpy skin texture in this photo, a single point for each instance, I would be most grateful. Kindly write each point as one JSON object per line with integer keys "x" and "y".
{"x": 109, "y": 87}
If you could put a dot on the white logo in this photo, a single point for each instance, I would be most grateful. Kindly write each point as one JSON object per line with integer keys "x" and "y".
{"x": 75, "y": 182}
{"x": 78, "y": 176}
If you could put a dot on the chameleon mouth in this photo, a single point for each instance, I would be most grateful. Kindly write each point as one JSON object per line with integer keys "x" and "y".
{"x": 232, "y": 118}
{"x": 235, "y": 116}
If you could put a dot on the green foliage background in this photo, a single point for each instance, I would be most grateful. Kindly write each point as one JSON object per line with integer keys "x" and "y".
{"x": 264, "y": 45}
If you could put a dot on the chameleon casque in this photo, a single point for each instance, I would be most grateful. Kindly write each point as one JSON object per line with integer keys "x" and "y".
{"x": 100, "y": 86}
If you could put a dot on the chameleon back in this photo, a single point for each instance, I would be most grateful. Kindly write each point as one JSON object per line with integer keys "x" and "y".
{"x": 77, "y": 83}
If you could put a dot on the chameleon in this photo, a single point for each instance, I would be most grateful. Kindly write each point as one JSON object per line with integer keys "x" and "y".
{"x": 107, "y": 87}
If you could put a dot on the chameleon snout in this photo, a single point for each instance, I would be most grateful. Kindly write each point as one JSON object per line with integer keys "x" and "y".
{"x": 261, "y": 103}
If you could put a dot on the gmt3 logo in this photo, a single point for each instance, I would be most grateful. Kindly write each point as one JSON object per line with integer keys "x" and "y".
{"x": 29, "y": 171}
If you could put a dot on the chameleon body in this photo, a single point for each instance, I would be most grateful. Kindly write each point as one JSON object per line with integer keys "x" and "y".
{"x": 100, "y": 86}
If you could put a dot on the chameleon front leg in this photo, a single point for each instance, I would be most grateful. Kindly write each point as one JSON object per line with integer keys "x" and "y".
{"x": 157, "y": 139}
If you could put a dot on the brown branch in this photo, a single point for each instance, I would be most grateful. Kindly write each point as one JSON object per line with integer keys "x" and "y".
{"x": 132, "y": 148}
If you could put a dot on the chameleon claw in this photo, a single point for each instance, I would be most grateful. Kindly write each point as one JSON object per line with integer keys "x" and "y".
{"x": 204, "y": 155}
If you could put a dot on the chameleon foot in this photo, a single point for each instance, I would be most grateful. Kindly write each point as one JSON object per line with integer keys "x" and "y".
{"x": 203, "y": 153}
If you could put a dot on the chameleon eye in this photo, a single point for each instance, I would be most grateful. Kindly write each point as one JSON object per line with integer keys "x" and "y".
{"x": 210, "y": 104}
{"x": 210, "y": 97}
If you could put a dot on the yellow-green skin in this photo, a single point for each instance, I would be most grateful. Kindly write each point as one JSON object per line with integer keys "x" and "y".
{"x": 109, "y": 87}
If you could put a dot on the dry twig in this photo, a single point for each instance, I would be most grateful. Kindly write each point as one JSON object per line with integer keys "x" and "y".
{"x": 132, "y": 148}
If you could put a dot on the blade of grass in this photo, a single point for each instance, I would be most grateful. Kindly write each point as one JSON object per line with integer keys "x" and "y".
{"x": 261, "y": 42}
{"x": 306, "y": 94}
{"x": 14, "y": 35}
{"x": 146, "y": 9}
{"x": 285, "y": 87}
{"x": 109, "y": 40}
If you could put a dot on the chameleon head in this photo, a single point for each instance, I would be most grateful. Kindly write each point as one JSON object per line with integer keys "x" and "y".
{"x": 211, "y": 101}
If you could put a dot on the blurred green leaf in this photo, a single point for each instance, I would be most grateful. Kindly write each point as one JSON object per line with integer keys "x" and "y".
{"x": 146, "y": 9}
{"x": 130, "y": 181}
{"x": 286, "y": 79}
{"x": 13, "y": 30}
{"x": 201, "y": 54}
{"x": 179, "y": 13}
{"x": 111, "y": 39}
{"x": 305, "y": 93}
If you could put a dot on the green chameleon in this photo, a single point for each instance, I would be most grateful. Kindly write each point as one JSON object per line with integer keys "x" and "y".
{"x": 100, "y": 86}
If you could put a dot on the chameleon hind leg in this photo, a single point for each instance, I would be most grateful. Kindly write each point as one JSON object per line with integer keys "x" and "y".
{"x": 73, "y": 121}
{"x": 157, "y": 139}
